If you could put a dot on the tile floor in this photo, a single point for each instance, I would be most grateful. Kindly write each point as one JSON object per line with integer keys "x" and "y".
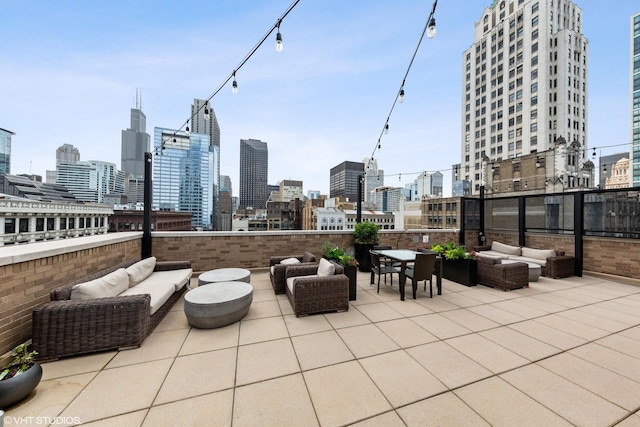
{"x": 561, "y": 352}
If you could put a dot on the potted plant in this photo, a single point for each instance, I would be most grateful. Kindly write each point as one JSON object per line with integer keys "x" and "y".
{"x": 20, "y": 378}
{"x": 365, "y": 237}
{"x": 346, "y": 260}
{"x": 458, "y": 265}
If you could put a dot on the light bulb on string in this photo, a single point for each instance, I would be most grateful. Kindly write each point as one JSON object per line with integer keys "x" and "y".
{"x": 401, "y": 96}
{"x": 206, "y": 112}
{"x": 431, "y": 31}
{"x": 399, "y": 177}
{"x": 234, "y": 85}
{"x": 279, "y": 45}
{"x": 386, "y": 129}
{"x": 186, "y": 130}
{"x": 594, "y": 153}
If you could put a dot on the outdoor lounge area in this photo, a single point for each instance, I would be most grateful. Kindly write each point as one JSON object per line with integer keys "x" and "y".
{"x": 560, "y": 352}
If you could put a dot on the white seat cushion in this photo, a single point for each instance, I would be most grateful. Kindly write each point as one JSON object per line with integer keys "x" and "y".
{"x": 541, "y": 254}
{"x": 109, "y": 285}
{"x": 141, "y": 270}
{"x": 160, "y": 293}
{"x": 291, "y": 279}
{"x": 176, "y": 278}
{"x": 325, "y": 268}
{"x": 290, "y": 261}
{"x": 506, "y": 249}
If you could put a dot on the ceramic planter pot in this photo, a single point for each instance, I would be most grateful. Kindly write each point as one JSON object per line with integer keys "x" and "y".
{"x": 17, "y": 388}
{"x": 362, "y": 255}
{"x": 463, "y": 271}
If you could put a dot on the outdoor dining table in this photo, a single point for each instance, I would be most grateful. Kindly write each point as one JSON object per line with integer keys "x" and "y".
{"x": 405, "y": 256}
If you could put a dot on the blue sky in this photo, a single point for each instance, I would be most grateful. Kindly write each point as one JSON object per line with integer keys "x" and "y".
{"x": 69, "y": 71}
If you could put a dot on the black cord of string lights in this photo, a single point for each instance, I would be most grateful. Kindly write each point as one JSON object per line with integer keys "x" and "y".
{"x": 431, "y": 22}
{"x": 232, "y": 74}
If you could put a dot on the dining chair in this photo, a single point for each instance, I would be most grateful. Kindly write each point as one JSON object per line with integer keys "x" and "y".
{"x": 381, "y": 269}
{"x": 423, "y": 269}
{"x": 383, "y": 259}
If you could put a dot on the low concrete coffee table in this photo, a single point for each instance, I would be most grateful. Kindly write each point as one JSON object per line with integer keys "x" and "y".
{"x": 224, "y": 275}
{"x": 217, "y": 304}
{"x": 534, "y": 269}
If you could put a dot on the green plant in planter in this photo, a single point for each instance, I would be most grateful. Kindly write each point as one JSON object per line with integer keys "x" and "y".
{"x": 22, "y": 360}
{"x": 335, "y": 253}
{"x": 366, "y": 233}
{"x": 450, "y": 251}
{"x": 347, "y": 260}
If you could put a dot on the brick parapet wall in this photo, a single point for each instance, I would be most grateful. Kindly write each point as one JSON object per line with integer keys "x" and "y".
{"x": 617, "y": 257}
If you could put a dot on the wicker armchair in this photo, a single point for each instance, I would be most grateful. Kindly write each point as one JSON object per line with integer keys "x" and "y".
{"x": 277, "y": 270}
{"x": 491, "y": 272}
{"x": 310, "y": 293}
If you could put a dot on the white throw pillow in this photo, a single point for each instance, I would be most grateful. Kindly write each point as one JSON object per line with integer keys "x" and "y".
{"x": 506, "y": 249}
{"x": 290, "y": 261}
{"x": 538, "y": 253}
{"x": 141, "y": 270}
{"x": 325, "y": 268}
{"x": 109, "y": 285}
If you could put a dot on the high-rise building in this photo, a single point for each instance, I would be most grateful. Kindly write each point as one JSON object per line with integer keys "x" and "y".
{"x": 208, "y": 124}
{"x": 225, "y": 184}
{"x": 606, "y": 167}
{"x": 135, "y": 142}
{"x": 429, "y": 184}
{"x": 254, "y": 170}
{"x": 5, "y": 151}
{"x": 183, "y": 175}
{"x": 67, "y": 153}
{"x": 343, "y": 180}
{"x": 373, "y": 177}
{"x": 290, "y": 190}
{"x": 635, "y": 100}
{"x": 90, "y": 181}
{"x": 524, "y": 82}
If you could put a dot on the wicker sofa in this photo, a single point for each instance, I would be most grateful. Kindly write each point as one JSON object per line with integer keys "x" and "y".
{"x": 491, "y": 272}
{"x": 311, "y": 289}
{"x": 277, "y": 269}
{"x": 68, "y": 326}
{"x": 555, "y": 264}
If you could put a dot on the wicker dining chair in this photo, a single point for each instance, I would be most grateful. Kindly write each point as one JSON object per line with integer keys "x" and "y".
{"x": 422, "y": 269}
{"x": 381, "y": 269}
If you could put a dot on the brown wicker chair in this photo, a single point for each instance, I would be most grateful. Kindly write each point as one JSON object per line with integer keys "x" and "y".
{"x": 491, "y": 272}
{"x": 557, "y": 267}
{"x": 277, "y": 270}
{"x": 65, "y": 327}
{"x": 317, "y": 294}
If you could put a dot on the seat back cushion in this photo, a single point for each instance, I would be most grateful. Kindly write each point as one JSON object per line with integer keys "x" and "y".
{"x": 290, "y": 261}
{"x": 141, "y": 270}
{"x": 325, "y": 268}
{"x": 109, "y": 285}
{"x": 506, "y": 249}
{"x": 538, "y": 253}
{"x": 308, "y": 257}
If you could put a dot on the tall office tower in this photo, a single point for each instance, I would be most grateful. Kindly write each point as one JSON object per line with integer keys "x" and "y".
{"x": 209, "y": 126}
{"x": 635, "y": 100}
{"x": 5, "y": 151}
{"x": 67, "y": 153}
{"x": 343, "y": 180}
{"x": 429, "y": 184}
{"x": 135, "y": 142}
{"x": 90, "y": 181}
{"x": 373, "y": 177}
{"x": 183, "y": 175}
{"x": 254, "y": 170}
{"x": 225, "y": 184}
{"x": 290, "y": 190}
{"x": 524, "y": 82}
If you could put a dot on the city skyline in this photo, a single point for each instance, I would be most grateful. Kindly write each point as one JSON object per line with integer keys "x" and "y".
{"x": 323, "y": 100}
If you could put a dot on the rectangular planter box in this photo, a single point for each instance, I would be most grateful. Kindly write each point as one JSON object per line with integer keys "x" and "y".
{"x": 463, "y": 271}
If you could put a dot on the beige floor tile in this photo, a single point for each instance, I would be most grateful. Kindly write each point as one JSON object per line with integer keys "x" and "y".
{"x": 320, "y": 349}
{"x": 626, "y": 305}
{"x": 633, "y": 333}
{"x": 579, "y": 406}
{"x": 606, "y": 384}
{"x": 344, "y": 394}
{"x": 203, "y": 340}
{"x": 545, "y": 306}
{"x": 514, "y": 306}
{"x": 461, "y": 299}
{"x": 306, "y": 324}
{"x": 158, "y": 345}
{"x": 378, "y": 312}
{"x": 261, "y": 295}
{"x": 285, "y": 305}
{"x": 632, "y": 421}
{"x": 409, "y": 308}
{"x": 401, "y": 379}
{"x": 257, "y": 330}
{"x": 76, "y": 365}
{"x": 612, "y": 288}
{"x": 262, "y": 309}
{"x": 629, "y": 318}
{"x": 492, "y": 356}
{"x": 443, "y": 410}
{"x": 179, "y": 305}
{"x": 265, "y": 360}
{"x": 579, "y": 315}
{"x": 279, "y": 402}
{"x": 198, "y": 374}
{"x": 555, "y": 298}
{"x": 622, "y": 344}
{"x": 451, "y": 367}
{"x": 346, "y": 319}
{"x": 479, "y": 293}
{"x": 209, "y": 410}
{"x": 119, "y": 390}
{"x": 501, "y": 404}
{"x": 470, "y": 320}
{"x": 364, "y": 297}
{"x": 613, "y": 360}
{"x": 496, "y": 314}
{"x": 548, "y": 335}
{"x": 50, "y": 397}
{"x": 406, "y": 333}
{"x": 388, "y": 419}
{"x": 436, "y": 304}
{"x": 132, "y": 419}
{"x": 172, "y": 321}
{"x": 575, "y": 294}
{"x": 519, "y": 343}
{"x": 568, "y": 325}
{"x": 366, "y": 340}
{"x": 440, "y": 326}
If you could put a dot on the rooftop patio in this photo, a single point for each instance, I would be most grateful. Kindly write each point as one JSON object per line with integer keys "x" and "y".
{"x": 561, "y": 352}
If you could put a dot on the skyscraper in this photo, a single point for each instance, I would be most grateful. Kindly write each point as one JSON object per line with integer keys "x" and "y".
{"x": 524, "y": 82}
{"x": 90, "y": 181}
{"x": 183, "y": 175}
{"x": 67, "y": 153}
{"x": 254, "y": 170}
{"x": 135, "y": 142}
{"x": 208, "y": 125}
{"x": 5, "y": 151}
{"x": 343, "y": 180}
{"x": 635, "y": 100}
{"x": 373, "y": 177}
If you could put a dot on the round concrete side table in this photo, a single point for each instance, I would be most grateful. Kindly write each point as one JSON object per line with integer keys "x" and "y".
{"x": 224, "y": 275}
{"x": 217, "y": 305}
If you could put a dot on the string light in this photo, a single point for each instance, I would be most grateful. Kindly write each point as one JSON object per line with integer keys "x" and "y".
{"x": 401, "y": 96}
{"x": 206, "y": 111}
{"x": 234, "y": 85}
{"x": 187, "y": 131}
{"x": 279, "y": 45}
{"x": 431, "y": 33}
{"x": 386, "y": 129}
